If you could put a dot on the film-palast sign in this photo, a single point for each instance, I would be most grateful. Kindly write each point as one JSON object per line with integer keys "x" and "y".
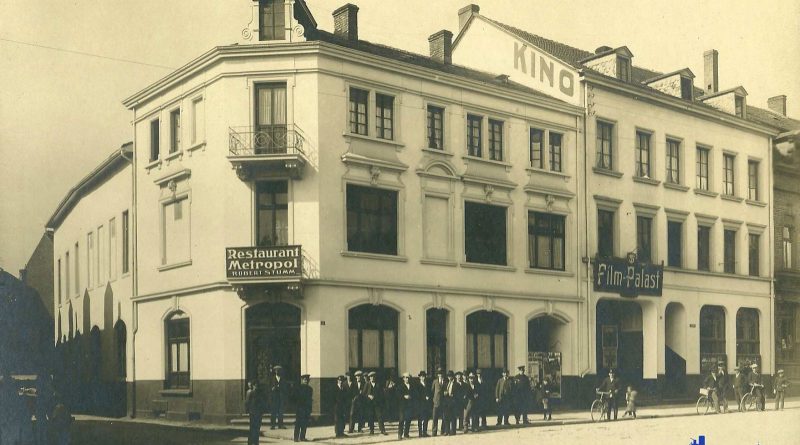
{"x": 628, "y": 277}
{"x": 263, "y": 262}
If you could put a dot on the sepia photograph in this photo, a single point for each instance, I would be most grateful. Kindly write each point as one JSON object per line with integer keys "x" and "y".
{"x": 274, "y": 221}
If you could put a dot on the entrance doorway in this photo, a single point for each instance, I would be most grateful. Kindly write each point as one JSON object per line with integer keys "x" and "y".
{"x": 620, "y": 342}
{"x": 674, "y": 350}
{"x": 436, "y": 329}
{"x": 273, "y": 338}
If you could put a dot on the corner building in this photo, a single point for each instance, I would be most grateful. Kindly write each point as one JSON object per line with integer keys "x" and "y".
{"x": 400, "y": 182}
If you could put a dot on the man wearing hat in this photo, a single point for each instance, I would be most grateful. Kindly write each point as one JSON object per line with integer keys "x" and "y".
{"x": 484, "y": 397}
{"x": 374, "y": 403}
{"x": 357, "y": 402}
{"x": 714, "y": 386}
{"x": 438, "y": 388}
{"x": 503, "y": 392}
{"x": 303, "y": 398}
{"x": 256, "y": 404}
{"x": 460, "y": 400}
{"x": 340, "y": 408}
{"x": 406, "y": 397}
{"x": 522, "y": 393}
{"x": 278, "y": 393}
{"x": 472, "y": 394}
{"x": 781, "y": 383}
{"x": 451, "y": 388}
{"x": 611, "y": 385}
{"x": 756, "y": 381}
{"x": 425, "y": 404}
{"x": 739, "y": 383}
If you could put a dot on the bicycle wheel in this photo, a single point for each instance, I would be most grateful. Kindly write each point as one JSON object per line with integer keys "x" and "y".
{"x": 703, "y": 405}
{"x": 748, "y": 402}
{"x": 598, "y": 409}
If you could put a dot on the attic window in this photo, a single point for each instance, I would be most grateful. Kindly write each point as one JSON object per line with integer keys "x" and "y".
{"x": 271, "y": 20}
{"x": 687, "y": 88}
{"x": 739, "y": 104}
{"x": 623, "y": 69}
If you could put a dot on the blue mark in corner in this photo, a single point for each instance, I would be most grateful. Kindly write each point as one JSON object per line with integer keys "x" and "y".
{"x": 701, "y": 440}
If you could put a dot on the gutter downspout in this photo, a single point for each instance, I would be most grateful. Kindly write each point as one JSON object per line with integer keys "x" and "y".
{"x": 771, "y": 258}
{"x": 586, "y": 226}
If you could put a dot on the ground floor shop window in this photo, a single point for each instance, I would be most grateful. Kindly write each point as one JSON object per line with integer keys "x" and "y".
{"x": 620, "y": 340}
{"x": 747, "y": 335}
{"x": 487, "y": 340}
{"x": 786, "y": 315}
{"x": 436, "y": 329}
{"x": 712, "y": 337}
{"x": 178, "y": 366}
{"x": 372, "y": 338}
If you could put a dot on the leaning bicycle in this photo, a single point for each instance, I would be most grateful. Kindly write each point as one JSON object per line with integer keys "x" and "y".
{"x": 704, "y": 403}
{"x": 751, "y": 401}
{"x": 600, "y": 405}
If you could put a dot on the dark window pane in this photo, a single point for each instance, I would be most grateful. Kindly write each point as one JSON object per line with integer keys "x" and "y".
{"x": 604, "y": 145}
{"x": 435, "y": 127}
{"x": 644, "y": 238}
{"x": 474, "y": 136}
{"x": 537, "y": 148}
{"x": 546, "y": 240}
{"x": 703, "y": 248}
{"x": 555, "y": 152}
{"x": 675, "y": 243}
{"x": 605, "y": 233}
{"x": 371, "y": 220}
{"x": 358, "y": 111}
{"x": 485, "y": 233}
{"x": 730, "y": 251}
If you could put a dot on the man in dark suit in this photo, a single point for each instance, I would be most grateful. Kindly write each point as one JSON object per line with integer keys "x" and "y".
{"x": 406, "y": 397}
{"x": 256, "y": 405}
{"x": 503, "y": 392}
{"x": 357, "y": 402}
{"x": 460, "y": 400}
{"x": 278, "y": 393}
{"x": 449, "y": 396}
{"x": 755, "y": 380}
{"x": 424, "y": 404}
{"x": 611, "y": 385}
{"x": 438, "y": 388}
{"x": 522, "y": 395}
{"x": 472, "y": 395}
{"x": 340, "y": 406}
{"x": 374, "y": 395}
{"x": 303, "y": 398}
{"x": 485, "y": 396}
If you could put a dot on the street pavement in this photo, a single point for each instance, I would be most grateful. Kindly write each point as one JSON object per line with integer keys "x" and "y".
{"x": 673, "y": 424}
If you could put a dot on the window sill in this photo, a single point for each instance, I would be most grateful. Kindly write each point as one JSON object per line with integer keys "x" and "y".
{"x": 374, "y": 256}
{"x": 153, "y": 164}
{"x": 489, "y": 267}
{"x": 197, "y": 146}
{"x": 397, "y": 145}
{"x": 176, "y": 392}
{"x": 125, "y": 275}
{"x": 648, "y": 181}
{"x": 436, "y": 262}
{"x": 731, "y": 198}
{"x": 175, "y": 155}
{"x": 702, "y": 192}
{"x": 504, "y": 164}
{"x": 543, "y": 171}
{"x": 755, "y": 203}
{"x": 555, "y": 272}
{"x": 174, "y": 265}
{"x": 678, "y": 187}
{"x": 607, "y": 172}
{"x": 714, "y": 274}
{"x": 436, "y": 151}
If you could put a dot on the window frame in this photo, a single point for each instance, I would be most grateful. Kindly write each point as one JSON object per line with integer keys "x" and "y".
{"x": 700, "y": 249}
{"x": 600, "y": 149}
{"x": 640, "y": 232}
{"x": 273, "y": 207}
{"x": 551, "y": 233}
{"x": 729, "y": 250}
{"x": 174, "y": 379}
{"x": 610, "y": 241}
{"x": 787, "y": 247}
{"x": 175, "y": 131}
{"x": 670, "y": 243}
{"x": 687, "y": 88}
{"x": 754, "y": 254}
{"x": 738, "y": 105}
{"x": 277, "y": 30}
{"x": 185, "y": 213}
{"x": 700, "y": 153}
{"x": 753, "y": 167}
{"x": 643, "y": 155}
{"x": 155, "y": 140}
{"x": 623, "y": 68}
{"x": 355, "y": 124}
{"x": 386, "y": 192}
{"x": 541, "y": 149}
{"x": 382, "y": 130}
{"x": 125, "y": 237}
{"x": 431, "y": 131}
{"x": 555, "y": 151}
{"x": 473, "y": 149}
{"x": 495, "y": 133}
{"x": 673, "y": 160}
{"x": 729, "y": 174}
{"x": 504, "y": 255}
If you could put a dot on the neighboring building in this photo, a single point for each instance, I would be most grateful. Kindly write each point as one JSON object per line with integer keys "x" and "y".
{"x": 38, "y": 273}
{"x": 675, "y": 175}
{"x": 25, "y": 348}
{"x": 93, "y": 287}
{"x": 786, "y": 167}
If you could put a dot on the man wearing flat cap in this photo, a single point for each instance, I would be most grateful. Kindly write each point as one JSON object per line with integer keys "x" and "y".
{"x": 303, "y": 399}
{"x": 438, "y": 389}
{"x": 406, "y": 397}
{"x": 424, "y": 403}
{"x": 451, "y": 388}
{"x": 484, "y": 392}
{"x": 522, "y": 395}
{"x": 374, "y": 403}
{"x": 756, "y": 381}
{"x": 611, "y": 385}
{"x": 472, "y": 394}
{"x": 278, "y": 395}
{"x": 739, "y": 383}
{"x": 340, "y": 408}
{"x": 781, "y": 383}
{"x": 503, "y": 392}
{"x": 357, "y": 402}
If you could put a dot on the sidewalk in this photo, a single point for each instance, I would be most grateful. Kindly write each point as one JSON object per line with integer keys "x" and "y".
{"x": 325, "y": 432}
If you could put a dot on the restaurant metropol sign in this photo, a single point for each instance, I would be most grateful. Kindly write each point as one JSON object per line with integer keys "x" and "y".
{"x": 274, "y": 263}
{"x": 628, "y": 277}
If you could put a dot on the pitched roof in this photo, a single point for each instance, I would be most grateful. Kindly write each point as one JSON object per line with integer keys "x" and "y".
{"x": 772, "y": 119}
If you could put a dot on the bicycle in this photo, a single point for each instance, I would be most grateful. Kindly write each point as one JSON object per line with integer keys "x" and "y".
{"x": 751, "y": 400}
{"x": 704, "y": 403}
{"x": 600, "y": 405}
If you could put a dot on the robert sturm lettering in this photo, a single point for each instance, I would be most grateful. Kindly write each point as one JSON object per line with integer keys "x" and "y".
{"x": 263, "y": 262}
{"x": 628, "y": 277}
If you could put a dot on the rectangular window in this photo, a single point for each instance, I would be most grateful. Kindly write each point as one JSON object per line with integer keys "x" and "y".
{"x": 728, "y": 175}
{"x": 605, "y": 233}
{"x": 271, "y": 20}
{"x": 90, "y": 260}
{"x": 644, "y": 238}
{"x": 673, "y": 161}
{"x": 384, "y": 116}
{"x": 642, "y": 154}
{"x": 605, "y": 145}
{"x": 435, "y": 127}
{"x": 701, "y": 178}
{"x": 555, "y": 151}
{"x": 787, "y": 247}
{"x": 703, "y": 248}
{"x": 739, "y": 104}
{"x": 730, "y": 251}
{"x": 178, "y": 365}
{"x": 359, "y": 101}
{"x": 495, "y": 140}
{"x": 675, "y": 243}
{"x": 272, "y": 213}
{"x": 270, "y": 117}
{"x": 474, "y": 136}
{"x": 198, "y": 120}
{"x": 753, "y": 254}
{"x": 125, "y": 242}
{"x": 537, "y": 148}
{"x": 687, "y": 88}
{"x": 546, "y": 241}
{"x": 485, "y": 233}
{"x": 102, "y": 254}
{"x": 176, "y": 235}
{"x": 155, "y": 139}
{"x": 112, "y": 248}
{"x": 67, "y": 276}
{"x": 623, "y": 69}
{"x": 174, "y": 131}
{"x": 371, "y": 220}
{"x": 77, "y": 269}
{"x": 58, "y": 272}
{"x": 752, "y": 180}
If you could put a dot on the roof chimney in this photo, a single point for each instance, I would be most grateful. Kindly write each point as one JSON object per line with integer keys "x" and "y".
{"x": 777, "y": 104}
{"x": 465, "y": 13}
{"x": 441, "y": 44}
{"x": 345, "y": 22}
{"x": 711, "y": 65}
{"x": 602, "y": 49}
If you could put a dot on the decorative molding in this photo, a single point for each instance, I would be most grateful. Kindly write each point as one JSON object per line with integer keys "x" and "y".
{"x": 488, "y": 303}
{"x": 173, "y": 177}
{"x": 375, "y": 296}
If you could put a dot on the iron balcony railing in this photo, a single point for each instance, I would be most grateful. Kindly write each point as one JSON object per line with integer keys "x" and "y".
{"x": 265, "y": 140}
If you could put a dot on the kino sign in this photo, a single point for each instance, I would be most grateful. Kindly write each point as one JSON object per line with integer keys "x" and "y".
{"x": 628, "y": 277}
{"x": 246, "y": 263}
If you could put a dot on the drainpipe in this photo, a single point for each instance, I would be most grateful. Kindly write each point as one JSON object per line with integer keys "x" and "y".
{"x": 586, "y": 174}
{"x": 771, "y": 258}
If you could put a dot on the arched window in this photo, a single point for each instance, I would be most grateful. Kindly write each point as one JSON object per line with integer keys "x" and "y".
{"x": 373, "y": 338}
{"x": 712, "y": 337}
{"x": 747, "y": 338}
{"x": 487, "y": 340}
{"x": 177, "y": 338}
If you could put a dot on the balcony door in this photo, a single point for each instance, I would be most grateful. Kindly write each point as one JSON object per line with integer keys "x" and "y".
{"x": 272, "y": 214}
{"x": 270, "y": 116}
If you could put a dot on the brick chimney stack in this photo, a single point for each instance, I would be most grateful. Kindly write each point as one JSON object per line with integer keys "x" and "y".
{"x": 345, "y": 22}
{"x": 441, "y": 44}
{"x": 711, "y": 65}
{"x": 465, "y": 13}
{"x": 777, "y": 104}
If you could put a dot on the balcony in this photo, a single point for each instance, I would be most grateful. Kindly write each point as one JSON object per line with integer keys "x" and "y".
{"x": 266, "y": 150}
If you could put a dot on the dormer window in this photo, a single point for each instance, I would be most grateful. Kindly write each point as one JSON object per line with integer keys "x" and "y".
{"x": 271, "y": 20}
{"x": 687, "y": 88}
{"x": 739, "y": 106}
{"x": 623, "y": 69}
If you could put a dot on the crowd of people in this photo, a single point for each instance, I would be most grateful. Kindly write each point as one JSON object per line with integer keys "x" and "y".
{"x": 32, "y": 415}
{"x": 746, "y": 378}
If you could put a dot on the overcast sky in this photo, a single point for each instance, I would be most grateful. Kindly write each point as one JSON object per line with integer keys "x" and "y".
{"x": 61, "y": 112}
